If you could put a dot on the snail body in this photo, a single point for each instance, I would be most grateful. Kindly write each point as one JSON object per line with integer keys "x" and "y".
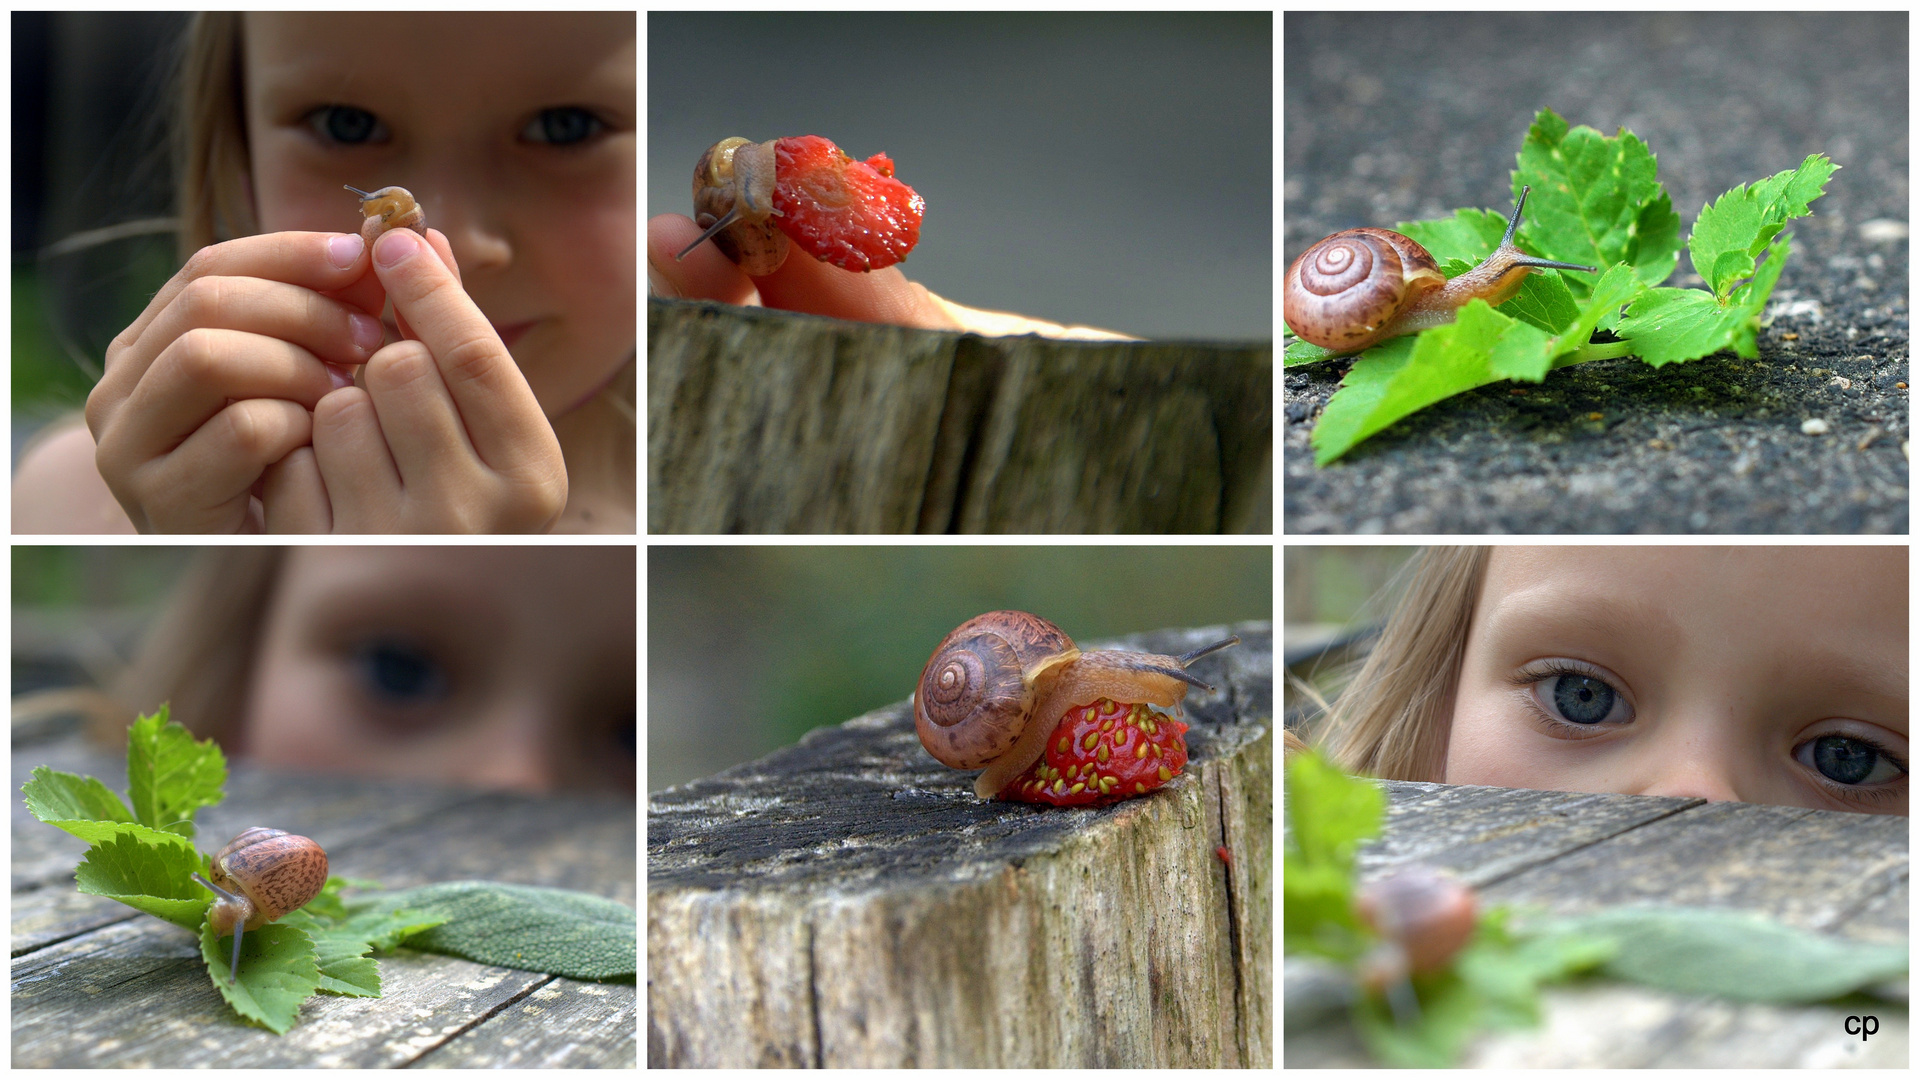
{"x": 1360, "y": 287}
{"x": 733, "y": 201}
{"x": 259, "y": 877}
{"x": 1002, "y": 685}
{"x": 388, "y": 208}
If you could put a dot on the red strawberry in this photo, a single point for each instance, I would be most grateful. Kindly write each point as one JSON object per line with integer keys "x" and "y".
{"x": 1102, "y": 753}
{"x": 852, "y": 214}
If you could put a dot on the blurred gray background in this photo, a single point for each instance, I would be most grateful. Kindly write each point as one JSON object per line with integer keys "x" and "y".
{"x": 1108, "y": 169}
{"x": 748, "y": 648}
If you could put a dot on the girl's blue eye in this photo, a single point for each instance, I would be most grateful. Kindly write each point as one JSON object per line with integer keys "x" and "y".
{"x": 1581, "y": 699}
{"x": 1849, "y": 761}
{"x": 344, "y": 123}
{"x": 563, "y": 126}
{"x": 402, "y": 674}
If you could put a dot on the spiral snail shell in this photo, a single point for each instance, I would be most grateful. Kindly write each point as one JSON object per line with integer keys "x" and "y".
{"x": 388, "y": 208}
{"x": 733, "y": 201}
{"x": 258, "y": 877}
{"x": 1360, "y": 287}
{"x": 994, "y": 689}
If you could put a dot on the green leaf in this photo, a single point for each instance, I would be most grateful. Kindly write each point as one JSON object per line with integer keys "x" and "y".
{"x": 277, "y": 972}
{"x": 1397, "y": 379}
{"x": 64, "y": 799}
{"x": 169, "y": 775}
{"x": 1591, "y": 200}
{"x": 150, "y": 876}
{"x": 557, "y": 931}
{"x": 1328, "y": 816}
{"x": 1667, "y": 326}
{"x": 342, "y": 944}
{"x": 1301, "y": 353}
{"x": 1731, "y": 232}
{"x": 1468, "y": 236}
{"x": 1735, "y": 955}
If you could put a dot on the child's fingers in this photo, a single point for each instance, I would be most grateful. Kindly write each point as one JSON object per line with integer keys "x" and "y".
{"x": 294, "y": 496}
{"x": 419, "y": 419}
{"x": 322, "y": 262}
{"x": 804, "y": 283}
{"x": 705, "y": 274}
{"x": 362, "y": 483}
{"x": 198, "y": 375}
{"x": 204, "y": 485}
{"x": 502, "y": 419}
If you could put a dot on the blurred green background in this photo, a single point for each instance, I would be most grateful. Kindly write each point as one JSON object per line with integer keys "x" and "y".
{"x": 79, "y": 612}
{"x": 750, "y": 647}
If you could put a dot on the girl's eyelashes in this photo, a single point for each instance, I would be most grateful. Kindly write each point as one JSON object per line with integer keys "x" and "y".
{"x": 565, "y": 125}
{"x": 1572, "y": 698}
{"x": 346, "y": 125}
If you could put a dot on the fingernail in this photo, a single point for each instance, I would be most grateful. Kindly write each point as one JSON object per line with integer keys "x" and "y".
{"x": 341, "y": 377}
{"x": 395, "y": 246}
{"x": 366, "y": 332}
{"x": 342, "y": 250}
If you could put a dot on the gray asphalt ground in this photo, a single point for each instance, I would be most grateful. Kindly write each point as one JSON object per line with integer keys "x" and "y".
{"x": 1710, "y": 446}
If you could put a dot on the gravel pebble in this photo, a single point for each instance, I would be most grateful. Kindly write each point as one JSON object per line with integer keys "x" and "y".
{"x": 1816, "y": 426}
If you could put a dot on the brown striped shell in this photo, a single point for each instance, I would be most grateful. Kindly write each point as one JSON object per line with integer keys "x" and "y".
{"x": 735, "y": 173}
{"x": 1343, "y": 292}
{"x": 276, "y": 871}
{"x": 976, "y": 693}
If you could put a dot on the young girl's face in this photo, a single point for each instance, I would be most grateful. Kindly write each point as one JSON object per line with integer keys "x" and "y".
{"x": 499, "y": 667}
{"x": 515, "y": 131}
{"x": 1758, "y": 674}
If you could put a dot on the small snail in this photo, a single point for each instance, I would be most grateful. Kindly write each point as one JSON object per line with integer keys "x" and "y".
{"x": 733, "y": 202}
{"x": 388, "y": 208}
{"x": 1423, "y": 918}
{"x": 1360, "y": 287}
{"x": 260, "y": 876}
{"x": 1006, "y": 689}
{"x": 757, "y": 201}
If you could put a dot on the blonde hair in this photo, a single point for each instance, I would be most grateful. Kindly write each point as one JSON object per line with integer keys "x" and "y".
{"x": 599, "y": 439}
{"x": 1393, "y": 717}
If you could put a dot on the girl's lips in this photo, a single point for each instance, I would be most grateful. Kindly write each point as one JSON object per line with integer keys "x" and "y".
{"x": 512, "y": 333}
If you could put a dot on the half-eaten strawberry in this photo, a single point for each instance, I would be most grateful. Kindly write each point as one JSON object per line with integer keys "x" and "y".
{"x": 853, "y": 214}
{"x": 1102, "y": 753}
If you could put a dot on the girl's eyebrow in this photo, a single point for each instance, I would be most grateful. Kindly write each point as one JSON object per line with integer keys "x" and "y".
{"x": 1557, "y": 606}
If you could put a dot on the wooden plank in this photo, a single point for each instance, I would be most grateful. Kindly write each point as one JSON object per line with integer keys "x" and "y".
{"x": 1569, "y": 853}
{"x": 769, "y": 421}
{"x": 97, "y": 984}
{"x": 848, "y": 902}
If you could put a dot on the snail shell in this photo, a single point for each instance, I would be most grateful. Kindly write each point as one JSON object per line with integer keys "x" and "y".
{"x": 995, "y": 688}
{"x": 1424, "y": 916}
{"x": 733, "y": 201}
{"x": 388, "y": 208}
{"x": 1360, "y": 287}
{"x": 259, "y": 877}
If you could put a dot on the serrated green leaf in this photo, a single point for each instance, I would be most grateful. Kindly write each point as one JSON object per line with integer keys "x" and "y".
{"x": 1394, "y": 381}
{"x": 1732, "y": 232}
{"x": 60, "y": 799}
{"x": 1667, "y": 326}
{"x": 557, "y": 931}
{"x": 150, "y": 876}
{"x": 1328, "y": 816}
{"x": 169, "y": 775}
{"x": 1591, "y": 200}
{"x": 1735, "y": 955}
{"x": 1468, "y": 236}
{"x": 278, "y": 971}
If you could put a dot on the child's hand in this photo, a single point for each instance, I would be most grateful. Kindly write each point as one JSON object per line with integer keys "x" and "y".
{"x": 214, "y": 381}
{"x": 442, "y": 435}
{"x": 805, "y": 284}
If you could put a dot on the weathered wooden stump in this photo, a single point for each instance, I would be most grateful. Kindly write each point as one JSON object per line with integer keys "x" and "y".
{"x": 848, "y": 902}
{"x": 770, "y": 421}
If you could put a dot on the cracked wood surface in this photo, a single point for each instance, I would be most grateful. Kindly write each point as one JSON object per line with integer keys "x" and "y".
{"x": 848, "y": 902}
{"x": 770, "y": 421}
{"x": 1572, "y": 853}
